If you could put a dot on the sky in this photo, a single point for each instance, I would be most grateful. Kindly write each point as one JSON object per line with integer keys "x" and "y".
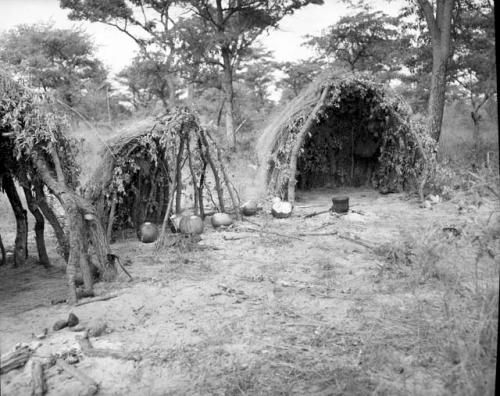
{"x": 116, "y": 50}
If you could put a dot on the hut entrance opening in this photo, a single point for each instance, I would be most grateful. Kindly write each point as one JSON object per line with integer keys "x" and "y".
{"x": 343, "y": 147}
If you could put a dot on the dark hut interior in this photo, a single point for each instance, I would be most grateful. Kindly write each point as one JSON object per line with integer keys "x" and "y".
{"x": 342, "y": 148}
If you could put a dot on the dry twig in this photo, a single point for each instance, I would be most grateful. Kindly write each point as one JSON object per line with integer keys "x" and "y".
{"x": 95, "y": 299}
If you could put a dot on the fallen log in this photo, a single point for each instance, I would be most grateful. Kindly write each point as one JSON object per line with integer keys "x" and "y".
{"x": 90, "y": 351}
{"x": 92, "y": 386}
{"x": 37, "y": 380}
{"x": 14, "y": 359}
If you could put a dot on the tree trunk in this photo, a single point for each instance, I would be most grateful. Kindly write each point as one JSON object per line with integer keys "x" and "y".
{"x": 478, "y": 143}
{"x": 227, "y": 83}
{"x": 83, "y": 245}
{"x": 49, "y": 214}
{"x": 78, "y": 211}
{"x": 21, "y": 242}
{"x": 39, "y": 227}
{"x": 439, "y": 25}
{"x": 2, "y": 250}
{"x": 178, "y": 178}
{"x": 171, "y": 91}
{"x": 437, "y": 93}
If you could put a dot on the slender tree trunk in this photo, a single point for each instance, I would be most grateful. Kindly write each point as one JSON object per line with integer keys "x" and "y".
{"x": 478, "y": 143}
{"x": 39, "y": 227}
{"x": 21, "y": 242}
{"x": 229, "y": 94}
{"x": 49, "y": 214}
{"x": 171, "y": 91}
{"x": 438, "y": 19}
{"x": 2, "y": 250}
{"x": 437, "y": 92}
{"x": 178, "y": 178}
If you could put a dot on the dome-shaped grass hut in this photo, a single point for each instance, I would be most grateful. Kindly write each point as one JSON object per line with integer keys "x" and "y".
{"x": 343, "y": 130}
{"x": 147, "y": 167}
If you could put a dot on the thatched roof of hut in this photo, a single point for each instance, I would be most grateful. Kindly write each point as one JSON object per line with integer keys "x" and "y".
{"x": 342, "y": 130}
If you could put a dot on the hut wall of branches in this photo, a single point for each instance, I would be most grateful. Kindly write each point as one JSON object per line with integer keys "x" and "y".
{"x": 344, "y": 130}
{"x": 37, "y": 154}
{"x": 147, "y": 168}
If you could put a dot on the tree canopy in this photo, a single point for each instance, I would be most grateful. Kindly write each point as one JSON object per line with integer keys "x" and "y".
{"x": 366, "y": 41}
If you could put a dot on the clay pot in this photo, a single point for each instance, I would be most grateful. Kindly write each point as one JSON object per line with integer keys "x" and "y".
{"x": 340, "y": 204}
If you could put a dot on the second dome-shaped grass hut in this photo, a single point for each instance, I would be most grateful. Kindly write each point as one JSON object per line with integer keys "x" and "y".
{"x": 344, "y": 130}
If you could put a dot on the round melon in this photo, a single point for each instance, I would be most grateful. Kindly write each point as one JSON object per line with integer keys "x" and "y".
{"x": 281, "y": 210}
{"x": 249, "y": 208}
{"x": 221, "y": 219}
{"x": 148, "y": 232}
{"x": 192, "y": 225}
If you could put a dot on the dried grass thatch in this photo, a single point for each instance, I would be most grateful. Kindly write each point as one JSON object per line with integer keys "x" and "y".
{"x": 343, "y": 130}
{"x": 140, "y": 177}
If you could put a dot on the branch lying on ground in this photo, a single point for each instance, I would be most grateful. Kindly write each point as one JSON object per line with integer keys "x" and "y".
{"x": 101, "y": 298}
{"x": 272, "y": 233}
{"x": 317, "y": 213}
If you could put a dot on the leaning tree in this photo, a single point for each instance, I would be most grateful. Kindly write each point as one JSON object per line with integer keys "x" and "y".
{"x": 36, "y": 153}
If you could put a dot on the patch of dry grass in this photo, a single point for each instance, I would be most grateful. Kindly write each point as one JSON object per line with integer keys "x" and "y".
{"x": 447, "y": 320}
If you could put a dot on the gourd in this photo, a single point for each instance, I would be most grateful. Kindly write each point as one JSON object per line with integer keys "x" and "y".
{"x": 148, "y": 232}
{"x": 249, "y": 208}
{"x": 281, "y": 209}
{"x": 192, "y": 225}
{"x": 221, "y": 219}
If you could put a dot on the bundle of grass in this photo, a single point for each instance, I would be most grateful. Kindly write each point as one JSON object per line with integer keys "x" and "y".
{"x": 36, "y": 152}
{"x": 344, "y": 130}
{"x": 141, "y": 174}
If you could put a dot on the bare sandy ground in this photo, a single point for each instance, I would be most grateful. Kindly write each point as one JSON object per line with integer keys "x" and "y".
{"x": 253, "y": 313}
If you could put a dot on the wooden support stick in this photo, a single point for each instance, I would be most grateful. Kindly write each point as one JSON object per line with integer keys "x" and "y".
{"x": 92, "y": 386}
{"x": 101, "y": 298}
{"x": 38, "y": 382}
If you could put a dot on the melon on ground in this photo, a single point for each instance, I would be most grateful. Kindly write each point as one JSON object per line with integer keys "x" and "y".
{"x": 281, "y": 209}
{"x": 221, "y": 219}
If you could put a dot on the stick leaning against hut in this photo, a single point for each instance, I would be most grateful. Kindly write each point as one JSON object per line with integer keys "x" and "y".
{"x": 37, "y": 154}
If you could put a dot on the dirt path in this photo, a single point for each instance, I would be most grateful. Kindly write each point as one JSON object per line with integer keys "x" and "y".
{"x": 250, "y": 313}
